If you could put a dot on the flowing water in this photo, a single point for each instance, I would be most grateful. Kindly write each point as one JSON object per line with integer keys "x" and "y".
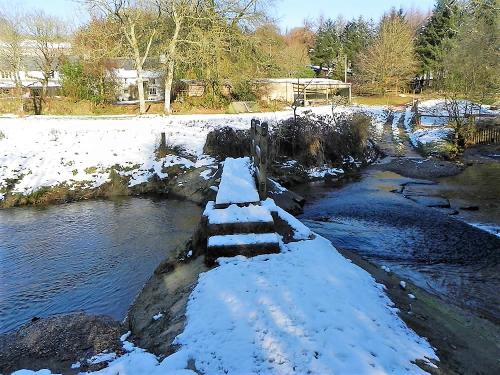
{"x": 90, "y": 256}
{"x": 436, "y": 251}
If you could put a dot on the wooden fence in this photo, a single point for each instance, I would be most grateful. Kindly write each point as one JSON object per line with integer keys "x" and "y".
{"x": 480, "y": 135}
{"x": 259, "y": 150}
{"x": 486, "y": 135}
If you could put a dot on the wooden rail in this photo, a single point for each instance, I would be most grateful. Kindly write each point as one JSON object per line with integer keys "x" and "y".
{"x": 259, "y": 151}
{"x": 487, "y": 135}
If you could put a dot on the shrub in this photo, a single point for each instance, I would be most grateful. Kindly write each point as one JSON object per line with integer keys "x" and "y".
{"x": 84, "y": 83}
{"x": 311, "y": 140}
{"x": 227, "y": 142}
{"x": 243, "y": 91}
{"x": 323, "y": 139}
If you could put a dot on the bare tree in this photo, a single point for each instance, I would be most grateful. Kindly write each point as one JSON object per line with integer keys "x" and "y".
{"x": 12, "y": 52}
{"x": 48, "y": 37}
{"x": 176, "y": 12}
{"x": 139, "y": 22}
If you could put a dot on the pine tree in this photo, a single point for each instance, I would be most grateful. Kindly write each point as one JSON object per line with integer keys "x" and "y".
{"x": 328, "y": 48}
{"x": 432, "y": 39}
{"x": 357, "y": 36}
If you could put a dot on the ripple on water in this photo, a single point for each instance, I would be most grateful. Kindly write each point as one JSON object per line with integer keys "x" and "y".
{"x": 91, "y": 256}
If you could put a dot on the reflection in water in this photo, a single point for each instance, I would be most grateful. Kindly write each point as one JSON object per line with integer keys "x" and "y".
{"x": 91, "y": 256}
{"x": 479, "y": 186}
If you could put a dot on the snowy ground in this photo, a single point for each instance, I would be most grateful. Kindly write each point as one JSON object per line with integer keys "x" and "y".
{"x": 80, "y": 151}
{"x": 237, "y": 184}
{"x": 436, "y": 129}
{"x": 440, "y": 107}
{"x": 306, "y": 310}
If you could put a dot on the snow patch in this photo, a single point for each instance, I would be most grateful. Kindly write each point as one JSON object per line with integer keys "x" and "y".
{"x": 322, "y": 172}
{"x": 242, "y": 239}
{"x": 237, "y": 183}
{"x": 158, "y": 316}
{"x": 301, "y": 232}
{"x": 299, "y": 311}
{"x": 236, "y": 214}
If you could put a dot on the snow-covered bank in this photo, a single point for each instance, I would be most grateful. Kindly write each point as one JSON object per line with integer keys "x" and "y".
{"x": 435, "y": 116}
{"x": 442, "y": 108}
{"x": 38, "y": 152}
{"x": 305, "y": 310}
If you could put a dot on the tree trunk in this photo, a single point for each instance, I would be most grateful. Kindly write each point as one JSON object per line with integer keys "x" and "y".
{"x": 140, "y": 89}
{"x": 169, "y": 78}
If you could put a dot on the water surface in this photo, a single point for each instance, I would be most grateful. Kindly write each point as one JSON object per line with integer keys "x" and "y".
{"x": 438, "y": 252}
{"x": 93, "y": 256}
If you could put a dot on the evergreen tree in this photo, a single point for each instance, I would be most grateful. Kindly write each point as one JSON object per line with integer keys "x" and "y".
{"x": 470, "y": 62}
{"x": 328, "y": 49}
{"x": 357, "y": 36}
{"x": 433, "y": 37}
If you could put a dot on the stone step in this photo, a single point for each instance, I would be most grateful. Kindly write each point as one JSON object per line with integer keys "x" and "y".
{"x": 249, "y": 244}
{"x": 237, "y": 184}
{"x": 235, "y": 219}
{"x": 240, "y": 227}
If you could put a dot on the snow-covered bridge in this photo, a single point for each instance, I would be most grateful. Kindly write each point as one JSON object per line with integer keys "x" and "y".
{"x": 237, "y": 222}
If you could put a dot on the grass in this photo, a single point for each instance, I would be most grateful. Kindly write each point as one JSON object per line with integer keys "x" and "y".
{"x": 393, "y": 100}
{"x": 90, "y": 170}
{"x": 61, "y": 106}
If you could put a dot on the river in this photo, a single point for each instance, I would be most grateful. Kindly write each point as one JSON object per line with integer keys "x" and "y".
{"x": 92, "y": 256}
{"x": 435, "y": 250}
{"x": 95, "y": 256}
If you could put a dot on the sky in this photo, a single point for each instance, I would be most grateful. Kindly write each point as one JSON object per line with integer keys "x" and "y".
{"x": 289, "y": 13}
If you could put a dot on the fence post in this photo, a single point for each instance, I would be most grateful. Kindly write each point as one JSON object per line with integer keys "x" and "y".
{"x": 259, "y": 152}
{"x": 263, "y": 144}
{"x": 415, "y": 110}
{"x": 252, "y": 138}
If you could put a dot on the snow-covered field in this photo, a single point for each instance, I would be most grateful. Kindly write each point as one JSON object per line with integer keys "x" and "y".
{"x": 45, "y": 151}
{"x": 306, "y": 310}
{"x": 441, "y": 107}
{"x": 435, "y": 130}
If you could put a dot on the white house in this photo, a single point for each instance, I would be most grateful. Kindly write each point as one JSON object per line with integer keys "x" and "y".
{"x": 31, "y": 77}
{"x": 128, "y": 92}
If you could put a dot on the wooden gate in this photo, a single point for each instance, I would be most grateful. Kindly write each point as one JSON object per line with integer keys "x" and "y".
{"x": 259, "y": 151}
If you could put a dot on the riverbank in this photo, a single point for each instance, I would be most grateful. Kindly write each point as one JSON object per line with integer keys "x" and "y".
{"x": 278, "y": 311}
{"x": 59, "y": 159}
{"x": 464, "y": 342}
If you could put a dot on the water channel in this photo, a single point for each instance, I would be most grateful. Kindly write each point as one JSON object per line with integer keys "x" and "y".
{"x": 92, "y": 256}
{"x": 435, "y": 250}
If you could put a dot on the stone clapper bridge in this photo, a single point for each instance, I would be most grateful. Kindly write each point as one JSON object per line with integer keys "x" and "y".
{"x": 241, "y": 221}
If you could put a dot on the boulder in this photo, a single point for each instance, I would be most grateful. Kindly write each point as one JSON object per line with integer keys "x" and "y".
{"x": 57, "y": 342}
